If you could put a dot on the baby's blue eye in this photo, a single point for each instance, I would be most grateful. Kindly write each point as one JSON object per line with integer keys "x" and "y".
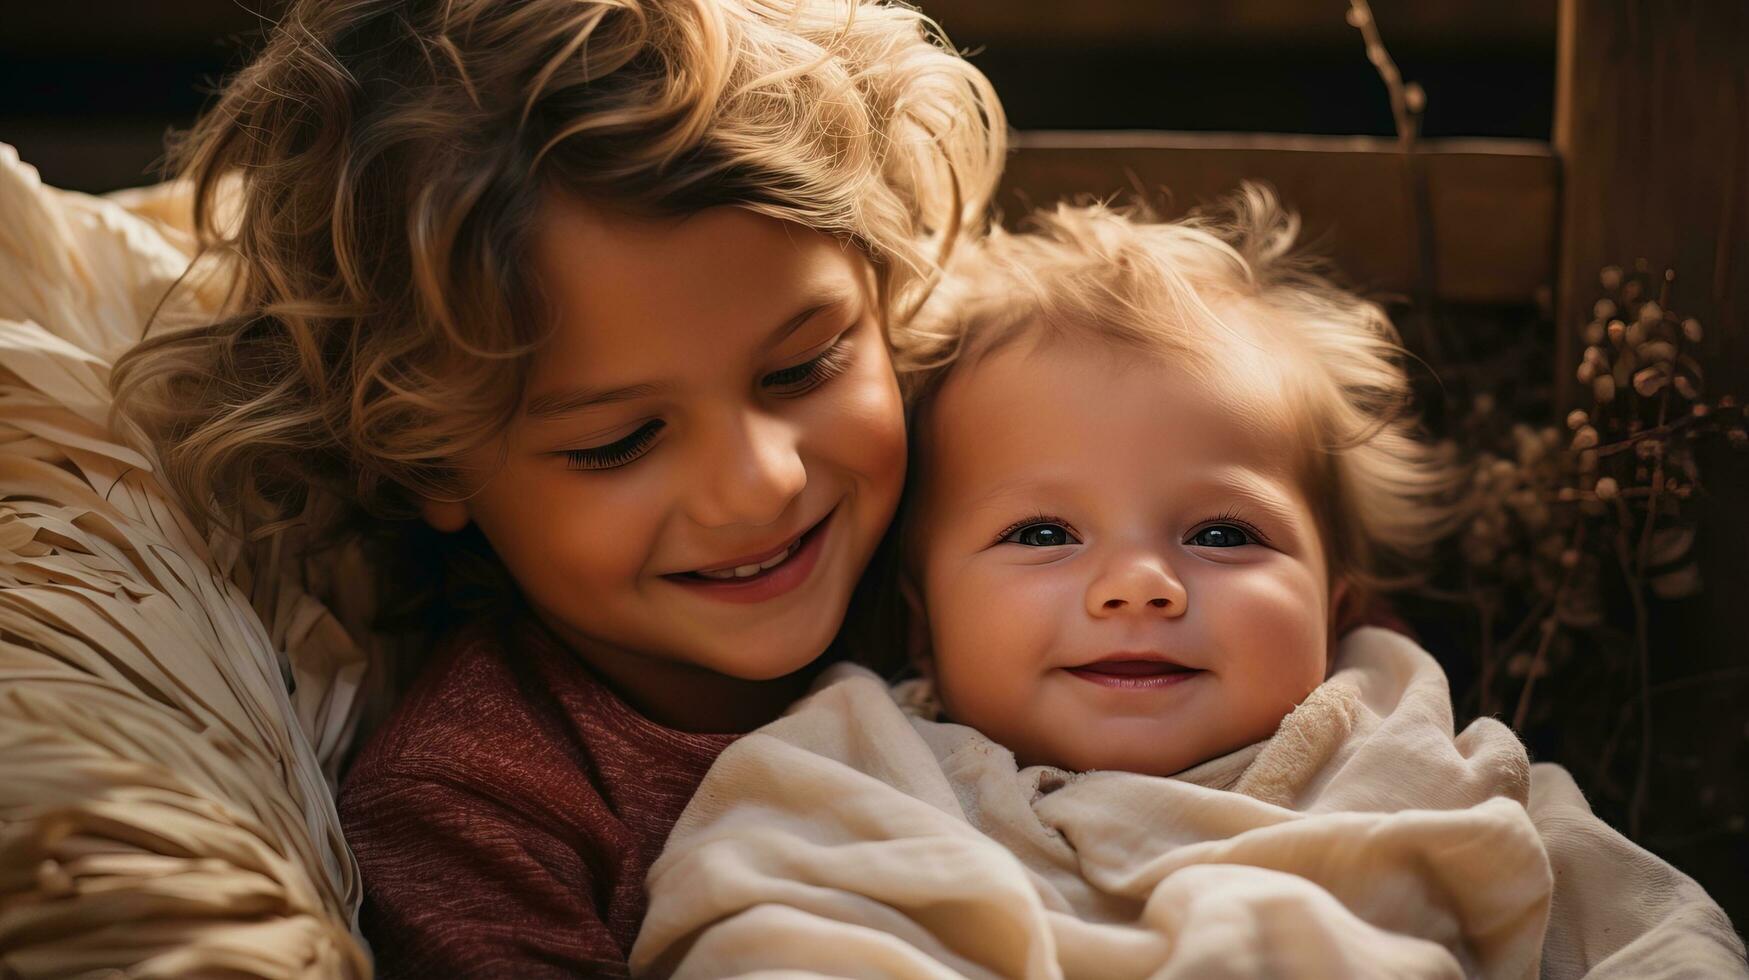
{"x": 1221, "y": 536}
{"x": 1042, "y": 534}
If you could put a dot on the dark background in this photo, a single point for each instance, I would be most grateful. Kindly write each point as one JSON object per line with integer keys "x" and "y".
{"x": 88, "y": 89}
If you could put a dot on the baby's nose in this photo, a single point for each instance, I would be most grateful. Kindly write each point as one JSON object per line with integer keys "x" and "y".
{"x": 1158, "y": 602}
{"x": 1138, "y": 586}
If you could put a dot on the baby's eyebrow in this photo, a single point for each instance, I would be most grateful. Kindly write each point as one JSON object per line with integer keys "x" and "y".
{"x": 1028, "y": 486}
{"x": 1259, "y": 490}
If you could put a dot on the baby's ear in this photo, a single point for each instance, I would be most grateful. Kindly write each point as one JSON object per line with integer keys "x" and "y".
{"x": 1343, "y": 606}
{"x": 1347, "y": 607}
{"x": 917, "y": 649}
{"x": 448, "y": 516}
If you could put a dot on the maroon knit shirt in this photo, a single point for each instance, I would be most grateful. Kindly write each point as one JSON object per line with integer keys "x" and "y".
{"x": 505, "y": 815}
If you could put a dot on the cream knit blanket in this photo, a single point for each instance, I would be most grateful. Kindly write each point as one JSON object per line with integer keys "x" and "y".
{"x": 1364, "y": 839}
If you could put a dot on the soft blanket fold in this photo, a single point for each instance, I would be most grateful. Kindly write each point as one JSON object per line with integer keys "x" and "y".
{"x": 1365, "y": 839}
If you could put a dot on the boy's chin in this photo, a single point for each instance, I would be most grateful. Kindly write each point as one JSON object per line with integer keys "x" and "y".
{"x": 763, "y": 657}
{"x": 768, "y": 671}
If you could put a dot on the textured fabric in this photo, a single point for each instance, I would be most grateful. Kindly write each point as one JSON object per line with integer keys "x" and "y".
{"x": 1364, "y": 839}
{"x": 505, "y": 816}
{"x": 164, "y": 810}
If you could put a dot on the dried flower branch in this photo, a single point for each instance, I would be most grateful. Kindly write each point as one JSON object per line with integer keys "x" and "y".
{"x": 1561, "y": 521}
{"x": 1408, "y": 101}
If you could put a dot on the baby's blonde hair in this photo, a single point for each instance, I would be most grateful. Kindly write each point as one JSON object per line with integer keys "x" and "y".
{"x": 1302, "y": 356}
{"x": 375, "y": 175}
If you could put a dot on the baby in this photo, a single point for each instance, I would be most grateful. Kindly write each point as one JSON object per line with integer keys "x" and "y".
{"x": 1155, "y": 466}
{"x": 1156, "y": 463}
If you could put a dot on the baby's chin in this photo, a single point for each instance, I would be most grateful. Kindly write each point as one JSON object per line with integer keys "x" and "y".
{"x": 1144, "y": 760}
{"x": 1165, "y": 750}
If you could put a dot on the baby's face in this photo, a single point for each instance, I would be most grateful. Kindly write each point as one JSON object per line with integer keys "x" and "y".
{"x": 1117, "y": 573}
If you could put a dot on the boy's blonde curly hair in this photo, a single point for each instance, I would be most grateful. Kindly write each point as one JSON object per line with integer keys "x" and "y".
{"x": 372, "y": 179}
{"x": 1224, "y": 295}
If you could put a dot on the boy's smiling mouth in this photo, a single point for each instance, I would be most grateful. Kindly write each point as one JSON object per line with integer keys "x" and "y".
{"x": 761, "y": 575}
{"x": 749, "y": 567}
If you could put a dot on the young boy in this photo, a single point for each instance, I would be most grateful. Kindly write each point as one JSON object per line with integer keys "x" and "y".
{"x": 576, "y": 310}
{"x": 1153, "y": 465}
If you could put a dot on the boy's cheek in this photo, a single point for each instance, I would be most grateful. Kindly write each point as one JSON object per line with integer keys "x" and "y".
{"x": 862, "y": 434}
{"x": 565, "y": 546}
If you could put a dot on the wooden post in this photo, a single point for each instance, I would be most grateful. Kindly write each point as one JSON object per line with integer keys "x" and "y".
{"x": 1652, "y": 126}
{"x": 1492, "y": 203}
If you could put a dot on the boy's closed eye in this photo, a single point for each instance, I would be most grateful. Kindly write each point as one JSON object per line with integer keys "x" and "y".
{"x": 789, "y": 382}
{"x": 799, "y": 379}
{"x": 616, "y": 453}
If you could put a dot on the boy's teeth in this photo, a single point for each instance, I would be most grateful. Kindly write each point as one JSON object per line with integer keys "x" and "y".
{"x": 772, "y": 562}
{"x": 746, "y": 571}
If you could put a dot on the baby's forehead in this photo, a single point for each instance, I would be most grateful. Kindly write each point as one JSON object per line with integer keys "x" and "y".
{"x": 1032, "y": 402}
{"x": 1246, "y": 376}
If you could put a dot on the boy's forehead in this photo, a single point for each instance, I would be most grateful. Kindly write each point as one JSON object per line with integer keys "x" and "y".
{"x": 580, "y": 240}
{"x": 620, "y": 285}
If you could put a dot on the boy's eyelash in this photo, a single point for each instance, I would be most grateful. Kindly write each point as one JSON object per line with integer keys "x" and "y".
{"x": 808, "y": 375}
{"x": 799, "y": 379}
{"x": 616, "y": 453}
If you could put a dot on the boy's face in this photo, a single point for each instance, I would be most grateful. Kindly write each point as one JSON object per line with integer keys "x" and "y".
{"x": 717, "y": 399}
{"x": 1117, "y": 573}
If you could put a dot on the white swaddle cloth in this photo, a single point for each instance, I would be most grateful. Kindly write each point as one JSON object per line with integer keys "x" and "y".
{"x": 1364, "y": 839}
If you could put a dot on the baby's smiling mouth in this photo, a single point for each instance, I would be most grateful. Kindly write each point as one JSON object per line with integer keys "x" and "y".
{"x": 1125, "y": 670}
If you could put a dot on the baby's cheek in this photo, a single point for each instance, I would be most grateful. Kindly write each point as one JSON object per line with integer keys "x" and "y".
{"x": 983, "y": 650}
{"x": 1286, "y": 605}
{"x": 1273, "y": 636}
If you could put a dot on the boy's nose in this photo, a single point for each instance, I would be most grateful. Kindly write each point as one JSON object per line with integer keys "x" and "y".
{"x": 752, "y": 478}
{"x": 1136, "y": 586}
